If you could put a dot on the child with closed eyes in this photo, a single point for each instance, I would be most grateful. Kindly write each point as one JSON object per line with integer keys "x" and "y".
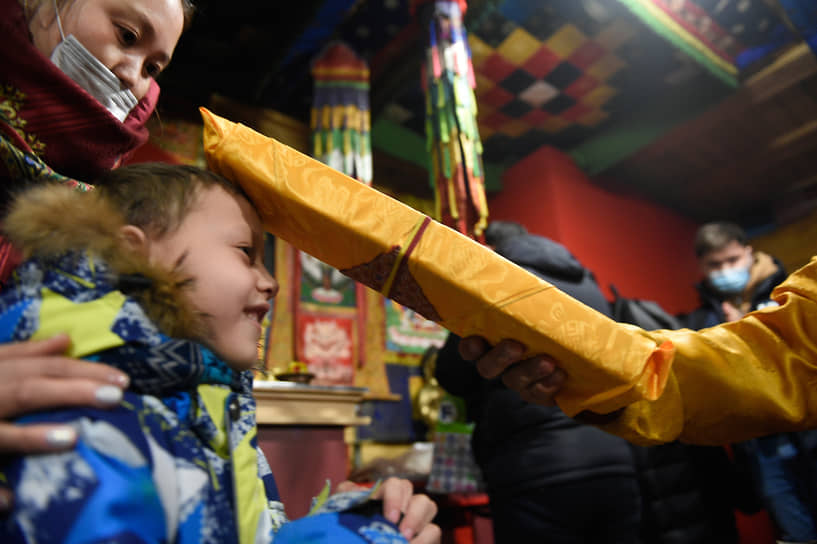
{"x": 159, "y": 272}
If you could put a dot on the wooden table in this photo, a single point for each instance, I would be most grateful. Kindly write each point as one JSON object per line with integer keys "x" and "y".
{"x": 301, "y": 431}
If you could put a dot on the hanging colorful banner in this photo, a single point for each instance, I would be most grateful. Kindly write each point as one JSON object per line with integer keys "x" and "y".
{"x": 452, "y": 135}
{"x": 341, "y": 122}
{"x": 330, "y": 307}
{"x": 692, "y": 30}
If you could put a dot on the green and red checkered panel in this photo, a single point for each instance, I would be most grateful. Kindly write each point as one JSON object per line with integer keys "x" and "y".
{"x": 562, "y": 71}
{"x": 525, "y": 84}
{"x": 558, "y": 74}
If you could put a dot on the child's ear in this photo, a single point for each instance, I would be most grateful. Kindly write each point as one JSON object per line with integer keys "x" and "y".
{"x": 134, "y": 238}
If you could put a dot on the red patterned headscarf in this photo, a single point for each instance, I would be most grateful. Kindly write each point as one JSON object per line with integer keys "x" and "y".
{"x": 50, "y": 128}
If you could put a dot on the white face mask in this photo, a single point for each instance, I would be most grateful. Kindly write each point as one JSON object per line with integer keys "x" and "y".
{"x": 85, "y": 69}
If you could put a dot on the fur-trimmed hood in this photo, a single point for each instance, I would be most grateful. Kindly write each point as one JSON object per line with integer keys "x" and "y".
{"x": 48, "y": 223}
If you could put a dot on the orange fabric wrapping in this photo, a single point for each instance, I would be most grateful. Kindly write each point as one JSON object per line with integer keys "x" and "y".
{"x": 436, "y": 271}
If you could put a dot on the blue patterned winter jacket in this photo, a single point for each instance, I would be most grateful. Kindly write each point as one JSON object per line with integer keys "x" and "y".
{"x": 177, "y": 460}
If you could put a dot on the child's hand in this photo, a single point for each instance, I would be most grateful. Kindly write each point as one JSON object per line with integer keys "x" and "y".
{"x": 536, "y": 380}
{"x": 412, "y": 513}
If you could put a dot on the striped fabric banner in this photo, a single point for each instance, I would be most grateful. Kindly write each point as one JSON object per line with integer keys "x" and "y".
{"x": 341, "y": 121}
{"x": 452, "y": 134}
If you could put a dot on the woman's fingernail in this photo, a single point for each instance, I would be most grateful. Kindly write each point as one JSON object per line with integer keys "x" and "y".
{"x": 61, "y": 437}
{"x": 122, "y": 380}
{"x": 108, "y": 394}
{"x": 393, "y": 516}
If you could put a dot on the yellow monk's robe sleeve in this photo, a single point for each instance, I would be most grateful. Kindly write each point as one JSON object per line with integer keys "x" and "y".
{"x": 737, "y": 380}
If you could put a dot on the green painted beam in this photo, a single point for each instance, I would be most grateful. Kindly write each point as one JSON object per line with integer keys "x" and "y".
{"x": 399, "y": 141}
{"x": 406, "y": 144}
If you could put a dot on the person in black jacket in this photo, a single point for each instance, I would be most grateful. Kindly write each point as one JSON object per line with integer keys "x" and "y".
{"x": 548, "y": 477}
{"x": 689, "y": 494}
{"x": 738, "y": 280}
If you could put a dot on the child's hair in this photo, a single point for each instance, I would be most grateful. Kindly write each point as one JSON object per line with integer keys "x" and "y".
{"x": 156, "y": 197}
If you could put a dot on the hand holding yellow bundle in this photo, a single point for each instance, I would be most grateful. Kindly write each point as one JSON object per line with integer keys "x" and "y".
{"x": 434, "y": 270}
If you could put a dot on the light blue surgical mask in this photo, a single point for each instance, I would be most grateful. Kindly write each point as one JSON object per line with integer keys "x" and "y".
{"x": 89, "y": 73}
{"x": 730, "y": 281}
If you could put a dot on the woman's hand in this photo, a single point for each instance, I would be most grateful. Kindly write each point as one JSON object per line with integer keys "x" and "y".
{"x": 412, "y": 513}
{"x": 33, "y": 376}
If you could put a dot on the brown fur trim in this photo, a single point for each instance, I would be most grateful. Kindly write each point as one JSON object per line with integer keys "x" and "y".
{"x": 48, "y": 221}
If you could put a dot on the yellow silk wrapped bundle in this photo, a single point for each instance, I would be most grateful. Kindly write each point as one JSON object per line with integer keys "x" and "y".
{"x": 436, "y": 271}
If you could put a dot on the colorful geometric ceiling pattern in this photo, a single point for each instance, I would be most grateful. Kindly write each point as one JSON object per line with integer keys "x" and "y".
{"x": 574, "y": 74}
{"x": 723, "y": 35}
{"x": 559, "y": 73}
{"x": 527, "y": 84}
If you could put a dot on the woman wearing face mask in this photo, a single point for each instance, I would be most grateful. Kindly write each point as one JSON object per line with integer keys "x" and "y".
{"x": 77, "y": 84}
{"x": 76, "y": 89}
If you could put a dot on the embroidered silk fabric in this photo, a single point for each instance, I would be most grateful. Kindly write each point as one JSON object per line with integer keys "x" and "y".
{"x": 727, "y": 383}
{"x": 434, "y": 270}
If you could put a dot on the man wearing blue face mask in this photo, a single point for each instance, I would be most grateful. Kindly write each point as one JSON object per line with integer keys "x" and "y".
{"x": 738, "y": 280}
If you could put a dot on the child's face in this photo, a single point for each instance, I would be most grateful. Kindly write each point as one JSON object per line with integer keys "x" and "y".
{"x": 220, "y": 245}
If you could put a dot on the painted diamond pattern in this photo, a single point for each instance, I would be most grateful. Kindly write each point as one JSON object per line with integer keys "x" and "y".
{"x": 555, "y": 72}
{"x": 543, "y": 77}
{"x": 539, "y": 93}
{"x": 563, "y": 75}
{"x": 516, "y": 108}
{"x": 536, "y": 117}
{"x": 517, "y": 81}
{"x": 542, "y": 62}
{"x": 496, "y": 97}
{"x": 559, "y": 104}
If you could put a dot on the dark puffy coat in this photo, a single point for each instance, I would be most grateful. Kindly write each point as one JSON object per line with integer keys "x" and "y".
{"x": 690, "y": 492}
{"x": 519, "y": 445}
